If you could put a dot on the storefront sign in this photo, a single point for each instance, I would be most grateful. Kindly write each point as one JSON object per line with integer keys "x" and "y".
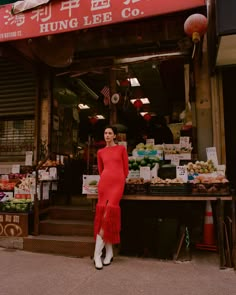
{"x": 64, "y": 16}
{"x": 13, "y": 224}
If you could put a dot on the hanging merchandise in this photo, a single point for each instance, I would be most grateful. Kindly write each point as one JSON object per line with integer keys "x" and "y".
{"x": 147, "y": 117}
{"x": 115, "y": 98}
{"x": 138, "y": 104}
{"x": 93, "y": 120}
{"x": 106, "y": 93}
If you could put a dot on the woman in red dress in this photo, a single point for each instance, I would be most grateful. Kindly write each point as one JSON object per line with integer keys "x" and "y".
{"x": 113, "y": 169}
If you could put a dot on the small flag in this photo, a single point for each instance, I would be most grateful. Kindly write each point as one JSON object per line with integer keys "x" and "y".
{"x": 106, "y": 92}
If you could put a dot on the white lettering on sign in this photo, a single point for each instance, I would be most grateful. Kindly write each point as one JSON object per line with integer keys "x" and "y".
{"x": 69, "y": 5}
{"x": 9, "y": 35}
{"x": 98, "y": 19}
{"x": 181, "y": 172}
{"x": 16, "y": 219}
{"x": 127, "y": 2}
{"x": 59, "y": 25}
{"x": 100, "y": 4}
{"x": 129, "y": 12}
{"x": 18, "y": 19}
{"x": 8, "y": 218}
{"x": 43, "y": 14}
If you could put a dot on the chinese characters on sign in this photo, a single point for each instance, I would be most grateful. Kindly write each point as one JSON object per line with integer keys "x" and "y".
{"x": 65, "y": 16}
{"x": 13, "y": 225}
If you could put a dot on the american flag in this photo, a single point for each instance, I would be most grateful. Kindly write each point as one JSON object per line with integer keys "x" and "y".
{"x": 106, "y": 91}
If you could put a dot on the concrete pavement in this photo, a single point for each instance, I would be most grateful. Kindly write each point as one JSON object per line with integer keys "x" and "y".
{"x": 25, "y": 273}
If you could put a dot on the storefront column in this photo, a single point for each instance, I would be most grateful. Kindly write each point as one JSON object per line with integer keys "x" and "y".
{"x": 45, "y": 111}
{"x": 203, "y": 102}
{"x": 113, "y": 108}
{"x": 218, "y": 117}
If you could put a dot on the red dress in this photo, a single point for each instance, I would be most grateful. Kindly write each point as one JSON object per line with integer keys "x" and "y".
{"x": 113, "y": 169}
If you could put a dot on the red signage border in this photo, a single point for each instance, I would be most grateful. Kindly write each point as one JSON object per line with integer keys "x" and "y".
{"x": 65, "y": 16}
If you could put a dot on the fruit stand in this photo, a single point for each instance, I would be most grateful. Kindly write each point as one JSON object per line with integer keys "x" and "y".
{"x": 16, "y": 205}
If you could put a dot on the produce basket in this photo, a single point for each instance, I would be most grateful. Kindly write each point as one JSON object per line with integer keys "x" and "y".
{"x": 20, "y": 207}
{"x": 165, "y": 189}
{"x": 218, "y": 189}
{"x": 136, "y": 189}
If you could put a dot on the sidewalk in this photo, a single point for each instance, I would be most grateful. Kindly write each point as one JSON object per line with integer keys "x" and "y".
{"x": 43, "y": 274}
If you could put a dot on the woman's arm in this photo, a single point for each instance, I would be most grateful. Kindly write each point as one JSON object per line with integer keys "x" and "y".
{"x": 100, "y": 163}
{"x": 125, "y": 162}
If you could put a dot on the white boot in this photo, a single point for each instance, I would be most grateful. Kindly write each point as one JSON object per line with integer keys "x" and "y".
{"x": 98, "y": 252}
{"x": 109, "y": 254}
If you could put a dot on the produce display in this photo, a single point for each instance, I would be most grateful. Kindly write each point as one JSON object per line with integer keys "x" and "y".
{"x": 136, "y": 186}
{"x": 138, "y": 180}
{"x": 210, "y": 185}
{"x": 158, "y": 181}
{"x": 201, "y": 167}
{"x": 177, "y": 149}
{"x": 136, "y": 162}
{"x": 148, "y": 149}
{"x": 17, "y": 206}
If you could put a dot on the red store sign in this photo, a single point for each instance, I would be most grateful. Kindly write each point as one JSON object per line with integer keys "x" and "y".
{"x": 64, "y": 16}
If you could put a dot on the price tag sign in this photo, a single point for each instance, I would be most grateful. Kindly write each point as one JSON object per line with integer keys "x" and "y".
{"x": 53, "y": 172}
{"x": 15, "y": 169}
{"x": 145, "y": 173}
{"x": 181, "y": 172}
{"x": 221, "y": 169}
{"x": 212, "y": 155}
{"x": 150, "y": 141}
{"x": 184, "y": 141}
{"x": 175, "y": 160}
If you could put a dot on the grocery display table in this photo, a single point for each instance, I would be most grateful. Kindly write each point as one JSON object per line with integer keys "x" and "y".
{"x": 219, "y": 214}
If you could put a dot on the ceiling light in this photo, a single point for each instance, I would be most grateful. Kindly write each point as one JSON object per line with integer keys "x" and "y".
{"x": 100, "y": 117}
{"x": 134, "y": 82}
{"x": 143, "y": 113}
{"x": 83, "y": 106}
{"x": 144, "y": 100}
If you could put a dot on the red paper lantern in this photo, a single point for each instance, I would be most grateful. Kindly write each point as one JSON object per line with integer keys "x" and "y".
{"x": 138, "y": 104}
{"x": 125, "y": 83}
{"x": 93, "y": 120}
{"x": 195, "y": 26}
{"x": 147, "y": 117}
